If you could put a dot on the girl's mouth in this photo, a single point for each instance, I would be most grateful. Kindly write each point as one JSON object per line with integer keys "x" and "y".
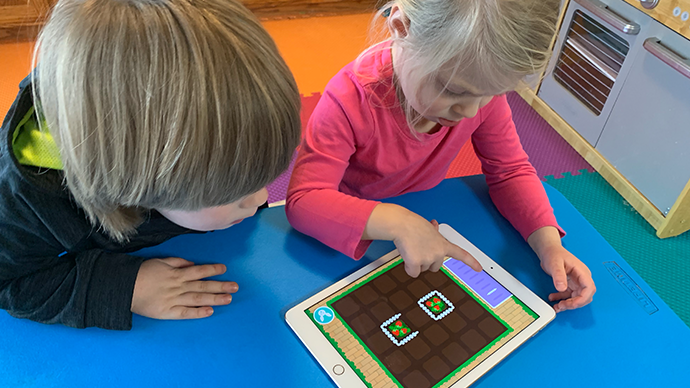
{"x": 448, "y": 123}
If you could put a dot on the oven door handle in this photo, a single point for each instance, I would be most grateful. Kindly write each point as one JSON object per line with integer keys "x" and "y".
{"x": 600, "y": 10}
{"x": 605, "y": 69}
{"x": 680, "y": 64}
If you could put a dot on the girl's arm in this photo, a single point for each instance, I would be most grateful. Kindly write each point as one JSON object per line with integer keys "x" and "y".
{"x": 519, "y": 195}
{"x": 315, "y": 205}
{"x": 513, "y": 183}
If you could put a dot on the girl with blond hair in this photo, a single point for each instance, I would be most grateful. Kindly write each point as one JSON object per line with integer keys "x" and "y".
{"x": 144, "y": 120}
{"x": 392, "y": 121}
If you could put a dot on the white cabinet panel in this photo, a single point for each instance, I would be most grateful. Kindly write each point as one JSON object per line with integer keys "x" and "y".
{"x": 647, "y": 136}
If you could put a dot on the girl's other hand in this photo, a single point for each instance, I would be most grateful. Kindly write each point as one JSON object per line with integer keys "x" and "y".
{"x": 172, "y": 289}
{"x": 571, "y": 277}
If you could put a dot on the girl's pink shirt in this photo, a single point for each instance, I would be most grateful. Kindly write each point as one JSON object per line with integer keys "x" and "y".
{"x": 358, "y": 148}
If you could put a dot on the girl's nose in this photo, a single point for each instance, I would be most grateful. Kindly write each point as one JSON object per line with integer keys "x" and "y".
{"x": 467, "y": 110}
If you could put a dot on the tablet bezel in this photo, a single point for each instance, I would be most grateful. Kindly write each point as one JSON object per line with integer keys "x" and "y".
{"x": 326, "y": 354}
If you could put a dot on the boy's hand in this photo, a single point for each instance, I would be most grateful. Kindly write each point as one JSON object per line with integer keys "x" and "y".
{"x": 172, "y": 289}
{"x": 571, "y": 277}
{"x": 421, "y": 245}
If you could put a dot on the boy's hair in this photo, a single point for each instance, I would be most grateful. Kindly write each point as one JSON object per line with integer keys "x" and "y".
{"x": 173, "y": 104}
{"x": 505, "y": 40}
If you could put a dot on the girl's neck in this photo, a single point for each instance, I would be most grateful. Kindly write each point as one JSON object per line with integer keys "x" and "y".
{"x": 426, "y": 126}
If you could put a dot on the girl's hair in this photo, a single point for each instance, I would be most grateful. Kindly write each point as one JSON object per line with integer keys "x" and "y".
{"x": 174, "y": 104}
{"x": 500, "y": 40}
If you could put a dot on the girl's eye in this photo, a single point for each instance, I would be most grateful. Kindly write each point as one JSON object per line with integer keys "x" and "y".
{"x": 452, "y": 94}
{"x": 442, "y": 86}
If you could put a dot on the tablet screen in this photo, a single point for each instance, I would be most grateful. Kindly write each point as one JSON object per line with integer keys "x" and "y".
{"x": 394, "y": 330}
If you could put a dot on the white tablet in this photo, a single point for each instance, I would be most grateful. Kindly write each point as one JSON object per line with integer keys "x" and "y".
{"x": 381, "y": 328}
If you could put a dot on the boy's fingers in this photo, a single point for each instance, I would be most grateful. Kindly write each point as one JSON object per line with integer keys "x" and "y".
{"x": 198, "y": 299}
{"x": 182, "y": 312}
{"x": 458, "y": 253}
{"x": 203, "y": 271}
{"x": 177, "y": 262}
{"x": 212, "y": 287}
{"x": 435, "y": 224}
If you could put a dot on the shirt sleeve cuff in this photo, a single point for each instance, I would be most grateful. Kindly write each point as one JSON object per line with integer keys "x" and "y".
{"x": 357, "y": 246}
{"x": 109, "y": 298}
{"x": 361, "y": 249}
{"x": 528, "y": 232}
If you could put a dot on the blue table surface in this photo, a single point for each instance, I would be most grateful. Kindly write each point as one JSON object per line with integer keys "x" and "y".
{"x": 612, "y": 342}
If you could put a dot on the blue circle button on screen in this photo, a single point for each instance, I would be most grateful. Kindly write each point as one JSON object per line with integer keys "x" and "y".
{"x": 324, "y": 315}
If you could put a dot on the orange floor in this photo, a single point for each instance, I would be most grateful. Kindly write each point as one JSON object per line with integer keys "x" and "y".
{"x": 15, "y": 63}
{"x": 314, "y": 48}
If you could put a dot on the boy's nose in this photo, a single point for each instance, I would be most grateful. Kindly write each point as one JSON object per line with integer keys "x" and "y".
{"x": 257, "y": 199}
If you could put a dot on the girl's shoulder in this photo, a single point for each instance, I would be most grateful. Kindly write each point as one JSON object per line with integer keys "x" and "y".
{"x": 368, "y": 79}
{"x": 497, "y": 106}
{"x": 373, "y": 68}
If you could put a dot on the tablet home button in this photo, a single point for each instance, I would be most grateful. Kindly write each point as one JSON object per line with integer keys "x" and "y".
{"x": 338, "y": 369}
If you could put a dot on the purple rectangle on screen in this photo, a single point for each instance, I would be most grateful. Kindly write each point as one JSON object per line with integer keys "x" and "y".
{"x": 480, "y": 282}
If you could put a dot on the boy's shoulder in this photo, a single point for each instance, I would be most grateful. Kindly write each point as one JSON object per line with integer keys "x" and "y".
{"x": 13, "y": 173}
{"x": 28, "y": 194}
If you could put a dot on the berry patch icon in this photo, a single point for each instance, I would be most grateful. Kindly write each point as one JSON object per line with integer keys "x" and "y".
{"x": 435, "y": 305}
{"x": 397, "y": 330}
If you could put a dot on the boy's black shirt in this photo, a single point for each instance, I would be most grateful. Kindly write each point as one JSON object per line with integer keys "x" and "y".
{"x": 55, "y": 267}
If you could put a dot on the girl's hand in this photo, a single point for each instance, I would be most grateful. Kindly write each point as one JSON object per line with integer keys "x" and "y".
{"x": 423, "y": 248}
{"x": 571, "y": 277}
{"x": 172, "y": 289}
{"x": 421, "y": 245}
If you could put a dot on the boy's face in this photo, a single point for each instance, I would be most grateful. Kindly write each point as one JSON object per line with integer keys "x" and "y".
{"x": 219, "y": 217}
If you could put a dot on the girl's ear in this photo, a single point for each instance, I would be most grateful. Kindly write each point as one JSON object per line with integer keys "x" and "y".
{"x": 397, "y": 22}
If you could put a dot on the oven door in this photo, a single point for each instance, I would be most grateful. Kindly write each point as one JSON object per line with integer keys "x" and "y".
{"x": 647, "y": 137}
{"x": 592, "y": 56}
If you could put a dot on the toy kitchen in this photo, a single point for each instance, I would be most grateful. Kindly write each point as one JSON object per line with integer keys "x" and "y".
{"x": 617, "y": 89}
